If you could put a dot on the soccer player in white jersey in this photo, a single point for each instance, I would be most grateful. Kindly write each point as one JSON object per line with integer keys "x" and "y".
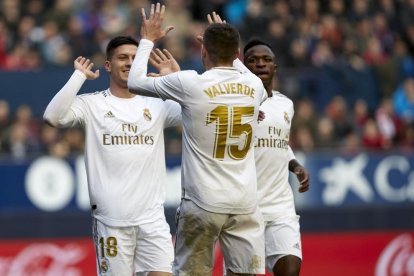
{"x": 125, "y": 163}
{"x": 274, "y": 159}
{"x": 220, "y": 109}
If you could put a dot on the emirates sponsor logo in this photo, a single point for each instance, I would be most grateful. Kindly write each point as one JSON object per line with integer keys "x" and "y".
{"x": 43, "y": 259}
{"x": 397, "y": 258}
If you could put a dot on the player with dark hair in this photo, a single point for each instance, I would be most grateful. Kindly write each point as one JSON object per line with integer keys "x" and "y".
{"x": 125, "y": 163}
{"x": 274, "y": 158}
{"x": 220, "y": 109}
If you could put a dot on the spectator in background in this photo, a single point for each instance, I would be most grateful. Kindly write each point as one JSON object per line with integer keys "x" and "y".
{"x": 350, "y": 144}
{"x": 305, "y": 116}
{"x": 22, "y": 137}
{"x": 404, "y": 100}
{"x": 337, "y": 111}
{"x": 278, "y": 38}
{"x": 371, "y": 137}
{"x": 372, "y": 41}
{"x": 325, "y": 136}
{"x": 303, "y": 140}
{"x": 360, "y": 116}
{"x": 389, "y": 125}
{"x": 54, "y": 47}
{"x": 5, "y": 122}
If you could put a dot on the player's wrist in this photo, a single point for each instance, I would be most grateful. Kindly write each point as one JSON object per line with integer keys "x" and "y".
{"x": 293, "y": 164}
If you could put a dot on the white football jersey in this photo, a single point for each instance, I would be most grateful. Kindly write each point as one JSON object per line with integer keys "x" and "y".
{"x": 124, "y": 154}
{"x": 272, "y": 154}
{"x": 220, "y": 111}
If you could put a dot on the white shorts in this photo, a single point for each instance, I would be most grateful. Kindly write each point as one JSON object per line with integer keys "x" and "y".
{"x": 282, "y": 237}
{"x": 136, "y": 249}
{"x": 240, "y": 236}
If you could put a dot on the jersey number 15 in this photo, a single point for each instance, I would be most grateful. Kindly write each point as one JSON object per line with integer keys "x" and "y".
{"x": 229, "y": 126}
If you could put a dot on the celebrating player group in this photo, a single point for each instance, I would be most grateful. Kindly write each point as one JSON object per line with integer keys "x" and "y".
{"x": 235, "y": 159}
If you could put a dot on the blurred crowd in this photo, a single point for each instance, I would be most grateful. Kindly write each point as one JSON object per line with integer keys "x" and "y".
{"x": 347, "y": 65}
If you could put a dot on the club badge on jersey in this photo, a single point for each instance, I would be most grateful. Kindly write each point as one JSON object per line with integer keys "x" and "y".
{"x": 147, "y": 114}
{"x": 286, "y": 116}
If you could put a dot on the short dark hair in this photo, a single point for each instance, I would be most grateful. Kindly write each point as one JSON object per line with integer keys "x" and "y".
{"x": 221, "y": 42}
{"x": 254, "y": 42}
{"x": 118, "y": 41}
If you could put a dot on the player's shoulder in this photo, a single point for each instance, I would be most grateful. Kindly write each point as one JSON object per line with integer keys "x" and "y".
{"x": 160, "y": 103}
{"x": 94, "y": 95}
{"x": 188, "y": 74}
{"x": 281, "y": 97}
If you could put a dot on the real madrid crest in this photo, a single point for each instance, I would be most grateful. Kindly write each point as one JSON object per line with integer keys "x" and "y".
{"x": 286, "y": 116}
{"x": 104, "y": 265}
{"x": 147, "y": 114}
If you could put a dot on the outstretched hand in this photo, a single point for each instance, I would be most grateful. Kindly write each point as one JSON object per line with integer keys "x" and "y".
{"x": 211, "y": 18}
{"x": 85, "y": 66}
{"x": 164, "y": 62}
{"x": 215, "y": 18}
{"x": 151, "y": 27}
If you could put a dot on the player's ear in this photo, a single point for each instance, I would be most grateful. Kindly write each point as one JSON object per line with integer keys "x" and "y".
{"x": 203, "y": 52}
{"x": 108, "y": 66}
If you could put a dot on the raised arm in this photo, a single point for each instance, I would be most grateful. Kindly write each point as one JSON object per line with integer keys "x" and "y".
{"x": 151, "y": 31}
{"x": 57, "y": 112}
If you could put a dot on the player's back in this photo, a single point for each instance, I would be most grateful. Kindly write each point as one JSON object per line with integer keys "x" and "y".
{"x": 220, "y": 111}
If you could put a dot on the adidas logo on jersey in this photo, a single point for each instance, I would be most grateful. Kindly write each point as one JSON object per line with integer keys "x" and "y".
{"x": 297, "y": 246}
{"x": 109, "y": 115}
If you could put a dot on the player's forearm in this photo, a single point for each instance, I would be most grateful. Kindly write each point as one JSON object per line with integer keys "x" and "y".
{"x": 138, "y": 81}
{"x": 59, "y": 106}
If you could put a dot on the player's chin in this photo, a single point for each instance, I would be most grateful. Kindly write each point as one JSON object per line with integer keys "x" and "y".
{"x": 264, "y": 77}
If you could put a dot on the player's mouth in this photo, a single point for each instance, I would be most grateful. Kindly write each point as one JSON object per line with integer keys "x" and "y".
{"x": 262, "y": 73}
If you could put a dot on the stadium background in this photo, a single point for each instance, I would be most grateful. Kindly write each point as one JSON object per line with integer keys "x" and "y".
{"x": 347, "y": 65}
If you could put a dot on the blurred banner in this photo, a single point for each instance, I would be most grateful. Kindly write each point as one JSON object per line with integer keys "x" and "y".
{"x": 339, "y": 254}
{"x": 47, "y": 257}
{"x": 48, "y": 184}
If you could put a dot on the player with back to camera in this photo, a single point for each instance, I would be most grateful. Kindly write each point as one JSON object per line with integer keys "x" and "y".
{"x": 274, "y": 159}
{"x": 220, "y": 109}
{"x": 125, "y": 163}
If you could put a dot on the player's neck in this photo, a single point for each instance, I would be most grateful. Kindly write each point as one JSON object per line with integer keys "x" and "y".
{"x": 223, "y": 64}
{"x": 269, "y": 92}
{"x": 209, "y": 65}
{"x": 121, "y": 92}
{"x": 269, "y": 88}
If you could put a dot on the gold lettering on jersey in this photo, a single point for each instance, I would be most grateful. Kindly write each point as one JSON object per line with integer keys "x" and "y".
{"x": 229, "y": 88}
{"x": 273, "y": 130}
{"x": 271, "y": 142}
{"x": 129, "y": 128}
{"x": 112, "y": 140}
{"x": 128, "y": 137}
